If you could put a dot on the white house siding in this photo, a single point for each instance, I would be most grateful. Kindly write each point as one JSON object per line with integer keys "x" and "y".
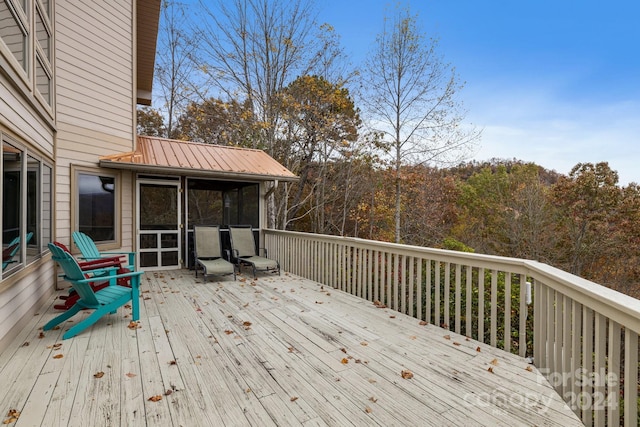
{"x": 23, "y": 293}
{"x": 95, "y": 98}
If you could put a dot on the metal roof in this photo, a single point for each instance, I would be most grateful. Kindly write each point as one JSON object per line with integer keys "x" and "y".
{"x": 159, "y": 155}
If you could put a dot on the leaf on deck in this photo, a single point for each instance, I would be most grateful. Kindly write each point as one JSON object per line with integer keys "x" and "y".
{"x": 134, "y": 325}
{"x": 98, "y": 374}
{"x": 58, "y": 356}
{"x": 12, "y": 415}
{"x": 155, "y": 398}
{"x": 406, "y": 374}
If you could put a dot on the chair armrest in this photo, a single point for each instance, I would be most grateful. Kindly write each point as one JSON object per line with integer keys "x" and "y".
{"x": 131, "y": 256}
{"x": 264, "y": 251}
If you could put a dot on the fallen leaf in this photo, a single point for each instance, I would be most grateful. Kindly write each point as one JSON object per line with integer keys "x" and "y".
{"x": 372, "y": 381}
{"x": 478, "y": 349}
{"x": 13, "y": 415}
{"x": 529, "y": 368}
{"x": 392, "y": 317}
{"x": 490, "y": 369}
{"x": 155, "y": 398}
{"x": 228, "y": 332}
{"x": 344, "y": 361}
{"x": 373, "y": 399}
{"x": 318, "y": 302}
{"x": 172, "y": 362}
{"x": 168, "y": 392}
{"x": 291, "y": 349}
{"x": 406, "y": 374}
{"x": 248, "y": 390}
{"x": 41, "y": 335}
{"x": 344, "y": 350}
{"x": 364, "y": 343}
{"x": 25, "y": 344}
{"x": 130, "y": 375}
{"x": 133, "y": 325}
{"x": 456, "y": 343}
{"x": 494, "y": 362}
{"x": 367, "y": 410}
{"x": 99, "y": 374}
{"x": 246, "y": 324}
{"x": 423, "y": 323}
{"x": 447, "y": 337}
{"x": 294, "y": 398}
{"x": 413, "y": 337}
{"x": 58, "y": 356}
{"x": 379, "y": 304}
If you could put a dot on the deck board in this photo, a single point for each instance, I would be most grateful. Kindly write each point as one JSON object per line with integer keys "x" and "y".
{"x": 279, "y": 351}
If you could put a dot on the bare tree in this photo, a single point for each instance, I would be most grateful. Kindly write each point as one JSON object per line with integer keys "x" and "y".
{"x": 174, "y": 62}
{"x": 253, "y": 49}
{"x": 410, "y": 96}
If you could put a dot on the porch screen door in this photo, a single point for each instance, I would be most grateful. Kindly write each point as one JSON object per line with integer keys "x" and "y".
{"x": 159, "y": 225}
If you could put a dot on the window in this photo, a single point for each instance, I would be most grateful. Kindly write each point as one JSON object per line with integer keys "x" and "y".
{"x": 43, "y": 69}
{"x": 26, "y": 206}
{"x": 96, "y": 206}
{"x": 22, "y": 42}
{"x": 14, "y": 31}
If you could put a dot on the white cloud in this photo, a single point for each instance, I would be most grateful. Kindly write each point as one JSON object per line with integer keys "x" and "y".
{"x": 532, "y": 125}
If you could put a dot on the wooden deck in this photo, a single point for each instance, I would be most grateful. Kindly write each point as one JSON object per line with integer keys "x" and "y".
{"x": 276, "y": 351}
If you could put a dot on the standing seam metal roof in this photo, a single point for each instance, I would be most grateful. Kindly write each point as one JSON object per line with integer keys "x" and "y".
{"x": 192, "y": 158}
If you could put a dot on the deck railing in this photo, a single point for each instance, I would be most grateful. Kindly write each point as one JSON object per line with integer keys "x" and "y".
{"x": 581, "y": 335}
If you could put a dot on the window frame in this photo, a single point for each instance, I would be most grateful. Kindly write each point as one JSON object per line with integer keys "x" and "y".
{"x": 76, "y": 171}
{"x": 26, "y": 79}
{"x": 40, "y": 249}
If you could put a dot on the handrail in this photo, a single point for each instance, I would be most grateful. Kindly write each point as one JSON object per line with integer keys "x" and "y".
{"x": 581, "y": 335}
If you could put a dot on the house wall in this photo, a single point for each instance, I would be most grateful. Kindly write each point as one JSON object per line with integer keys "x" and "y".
{"x": 95, "y": 101}
{"x": 93, "y": 115}
{"x": 31, "y": 125}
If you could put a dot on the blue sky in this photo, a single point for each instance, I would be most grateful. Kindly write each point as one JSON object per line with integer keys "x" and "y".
{"x": 553, "y": 82}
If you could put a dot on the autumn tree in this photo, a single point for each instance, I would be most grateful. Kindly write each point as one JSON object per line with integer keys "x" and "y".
{"x": 214, "y": 121}
{"x": 319, "y": 120}
{"x": 150, "y": 122}
{"x": 411, "y": 99}
{"x": 505, "y": 209}
{"x": 588, "y": 200}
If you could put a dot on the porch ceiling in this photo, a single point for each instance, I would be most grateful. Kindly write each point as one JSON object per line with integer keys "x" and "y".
{"x": 168, "y": 156}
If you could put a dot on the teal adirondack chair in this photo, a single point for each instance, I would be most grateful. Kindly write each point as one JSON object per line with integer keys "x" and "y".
{"x": 103, "y": 301}
{"x": 12, "y": 249}
{"x": 90, "y": 251}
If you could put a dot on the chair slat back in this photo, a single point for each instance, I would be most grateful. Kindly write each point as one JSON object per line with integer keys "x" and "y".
{"x": 86, "y": 245}
{"x": 207, "y": 241}
{"x": 74, "y": 274}
{"x": 242, "y": 240}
